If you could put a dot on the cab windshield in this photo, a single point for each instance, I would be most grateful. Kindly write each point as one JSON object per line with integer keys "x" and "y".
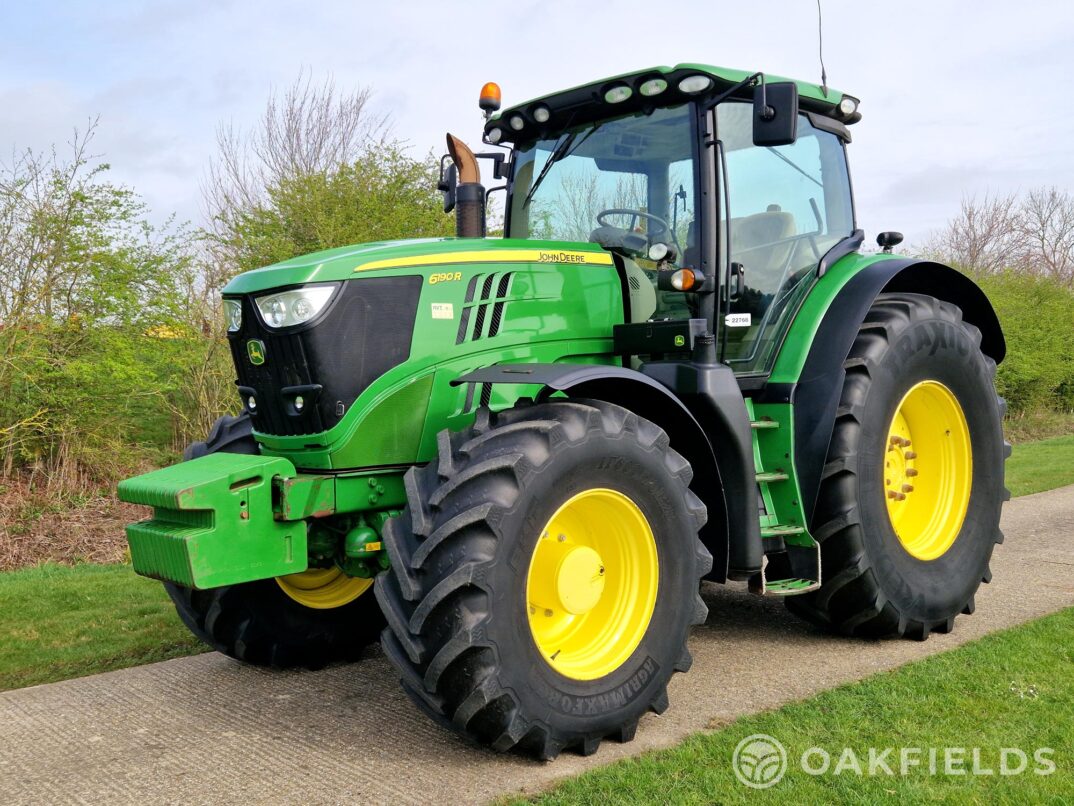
{"x": 604, "y": 181}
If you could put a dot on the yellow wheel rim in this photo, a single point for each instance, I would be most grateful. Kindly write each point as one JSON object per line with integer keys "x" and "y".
{"x": 591, "y": 585}
{"x": 928, "y": 470}
{"x": 323, "y": 588}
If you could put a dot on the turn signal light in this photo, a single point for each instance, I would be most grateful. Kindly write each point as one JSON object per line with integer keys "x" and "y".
{"x": 685, "y": 280}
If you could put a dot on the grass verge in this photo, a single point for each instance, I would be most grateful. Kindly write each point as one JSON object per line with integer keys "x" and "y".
{"x": 1043, "y": 465}
{"x": 1028, "y": 426}
{"x": 69, "y": 621}
{"x": 971, "y": 697}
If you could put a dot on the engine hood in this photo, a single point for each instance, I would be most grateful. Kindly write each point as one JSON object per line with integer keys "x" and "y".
{"x": 347, "y": 262}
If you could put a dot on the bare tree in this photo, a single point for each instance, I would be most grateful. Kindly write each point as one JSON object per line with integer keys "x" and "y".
{"x": 1046, "y": 225}
{"x": 308, "y": 128}
{"x": 984, "y": 238}
{"x": 571, "y": 214}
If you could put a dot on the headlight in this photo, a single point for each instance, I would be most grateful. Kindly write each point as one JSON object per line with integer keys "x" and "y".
{"x": 290, "y": 308}
{"x": 233, "y": 315}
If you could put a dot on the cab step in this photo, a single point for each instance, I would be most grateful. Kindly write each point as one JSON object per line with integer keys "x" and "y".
{"x": 781, "y": 531}
{"x": 790, "y": 587}
{"x": 790, "y": 572}
{"x": 770, "y": 476}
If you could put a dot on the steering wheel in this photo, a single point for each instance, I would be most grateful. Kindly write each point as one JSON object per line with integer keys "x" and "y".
{"x": 635, "y": 216}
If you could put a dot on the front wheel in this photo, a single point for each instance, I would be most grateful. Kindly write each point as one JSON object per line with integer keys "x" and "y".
{"x": 309, "y": 619}
{"x": 544, "y": 577}
{"x": 909, "y": 504}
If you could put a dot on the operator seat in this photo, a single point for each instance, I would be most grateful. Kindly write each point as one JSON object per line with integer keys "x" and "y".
{"x": 691, "y": 254}
{"x": 763, "y": 243}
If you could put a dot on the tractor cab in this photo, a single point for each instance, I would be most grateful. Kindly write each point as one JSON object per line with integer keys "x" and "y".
{"x": 718, "y": 192}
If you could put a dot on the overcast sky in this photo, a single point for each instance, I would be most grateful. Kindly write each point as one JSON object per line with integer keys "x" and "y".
{"x": 958, "y": 98}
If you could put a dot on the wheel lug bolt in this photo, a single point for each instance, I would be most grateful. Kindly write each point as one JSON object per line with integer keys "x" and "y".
{"x": 561, "y": 538}
{"x": 907, "y": 488}
{"x": 900, "y": 497}
{"x": 548, "y": 612}
{"x": 892, "y": 494}
{"x": 911, "y": 472}
{"x": 910, "y": 455}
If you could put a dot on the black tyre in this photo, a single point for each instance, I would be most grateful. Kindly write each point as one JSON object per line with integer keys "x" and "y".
{"x": 909, "y": 504}
{"x": 258, "y": 622}
{"x": 491, "y": 642}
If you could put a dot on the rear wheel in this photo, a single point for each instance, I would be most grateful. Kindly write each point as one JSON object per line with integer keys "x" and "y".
{"x": 545, "y": 576}
{"x": 909, "y": 505}
{"x": 308, "y": 619}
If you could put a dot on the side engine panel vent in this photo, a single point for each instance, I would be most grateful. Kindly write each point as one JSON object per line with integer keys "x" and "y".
{"x": 486, "y": 311}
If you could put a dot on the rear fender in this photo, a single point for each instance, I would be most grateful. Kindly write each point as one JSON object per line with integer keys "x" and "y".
{"x": 816, "y": 393}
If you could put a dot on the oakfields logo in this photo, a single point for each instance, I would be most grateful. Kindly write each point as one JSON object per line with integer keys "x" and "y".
{"x": 760, "y": 761}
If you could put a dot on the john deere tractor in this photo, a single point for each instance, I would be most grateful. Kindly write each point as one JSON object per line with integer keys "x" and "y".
{"x": 513, "y": 459}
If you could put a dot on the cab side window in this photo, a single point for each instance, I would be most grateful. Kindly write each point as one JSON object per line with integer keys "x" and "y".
{"x": 788, "y": 205}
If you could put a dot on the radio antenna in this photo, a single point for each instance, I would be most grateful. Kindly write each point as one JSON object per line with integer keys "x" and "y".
{"x": 820, "y": 49}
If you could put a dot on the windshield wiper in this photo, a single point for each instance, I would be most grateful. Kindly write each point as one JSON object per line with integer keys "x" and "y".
{"x": 562, "y": 150}
{"x": 565, "y": 141}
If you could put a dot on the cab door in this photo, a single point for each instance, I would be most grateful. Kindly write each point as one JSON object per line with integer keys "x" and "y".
{"x": 785, "y": 207}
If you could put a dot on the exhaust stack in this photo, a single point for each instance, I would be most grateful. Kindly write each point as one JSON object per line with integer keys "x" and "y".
{"x": 470, "y": 193}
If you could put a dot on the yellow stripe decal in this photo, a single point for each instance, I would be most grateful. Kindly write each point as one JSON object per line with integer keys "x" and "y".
{"x": 493, "y": 256}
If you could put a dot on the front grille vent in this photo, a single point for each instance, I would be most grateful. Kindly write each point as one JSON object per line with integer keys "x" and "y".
{"x": 366, "y": 330}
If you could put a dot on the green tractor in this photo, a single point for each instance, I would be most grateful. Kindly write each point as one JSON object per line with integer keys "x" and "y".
{"x": 513, "y": 459}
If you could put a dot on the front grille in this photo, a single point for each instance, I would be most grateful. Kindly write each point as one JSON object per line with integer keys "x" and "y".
{"x": 366, "y": 330}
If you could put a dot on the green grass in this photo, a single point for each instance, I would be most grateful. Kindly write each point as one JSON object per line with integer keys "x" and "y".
{"x": 61, "y": 622}
{"x": 962, "y": 698}
{"x": 1038, "y": 466}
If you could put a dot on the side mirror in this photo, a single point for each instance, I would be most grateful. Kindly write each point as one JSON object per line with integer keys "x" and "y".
{"x": 449, "y": 182}
{"x": 775, "y": 114}
{"x": 888, "y": 240}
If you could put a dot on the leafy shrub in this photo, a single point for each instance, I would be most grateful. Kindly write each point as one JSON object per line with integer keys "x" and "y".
{"x": 1037, "y": 316}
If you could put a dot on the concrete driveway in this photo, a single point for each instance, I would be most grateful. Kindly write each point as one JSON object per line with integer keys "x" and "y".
{"x": 205, "y": 729}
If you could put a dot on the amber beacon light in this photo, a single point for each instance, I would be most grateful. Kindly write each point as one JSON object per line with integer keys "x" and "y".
{"x": 490, "y": 98}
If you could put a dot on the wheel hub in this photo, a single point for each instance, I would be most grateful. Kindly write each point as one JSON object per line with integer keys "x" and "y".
{"x": 591, "y": 584}
{"x": 580, "y": 580}
{"x": 928, "y": 470}
{"x": 323, "y": 588}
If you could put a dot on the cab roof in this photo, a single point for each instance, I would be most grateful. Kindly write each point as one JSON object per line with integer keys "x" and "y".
{"x": 587, "y": 102}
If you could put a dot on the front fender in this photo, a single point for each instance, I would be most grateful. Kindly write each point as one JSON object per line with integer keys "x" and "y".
{"x": 731, "y": 534}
